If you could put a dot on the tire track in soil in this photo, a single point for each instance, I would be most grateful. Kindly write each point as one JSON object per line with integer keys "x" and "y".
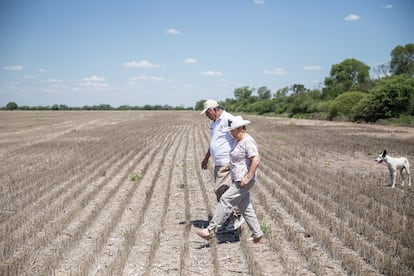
{"x": 146, "y": 238}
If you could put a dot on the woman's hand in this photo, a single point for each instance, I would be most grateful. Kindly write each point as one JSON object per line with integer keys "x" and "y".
{"x": 255, "y": 160}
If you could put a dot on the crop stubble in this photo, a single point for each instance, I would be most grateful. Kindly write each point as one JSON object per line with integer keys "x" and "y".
{"x": 69, "y": 204}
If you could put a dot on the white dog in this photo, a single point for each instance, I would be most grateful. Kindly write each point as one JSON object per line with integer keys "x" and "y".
{"x": 395, "y": 164}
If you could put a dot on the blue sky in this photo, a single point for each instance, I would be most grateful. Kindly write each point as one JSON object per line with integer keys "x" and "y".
{"x": 90, "y": 52}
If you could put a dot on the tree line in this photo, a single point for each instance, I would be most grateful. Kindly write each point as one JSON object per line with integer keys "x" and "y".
{"x": 349, "y": 93}
{"x": 14, "y": 106}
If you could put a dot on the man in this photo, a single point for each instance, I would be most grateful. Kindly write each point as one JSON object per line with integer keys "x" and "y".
{"x": 219, "y": 149}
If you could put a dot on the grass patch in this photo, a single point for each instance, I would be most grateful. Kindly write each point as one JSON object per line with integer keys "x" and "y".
{"x": 135, "y": 176}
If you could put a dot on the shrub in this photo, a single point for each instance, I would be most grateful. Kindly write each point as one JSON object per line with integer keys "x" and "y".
{"x": 344, "y": 104}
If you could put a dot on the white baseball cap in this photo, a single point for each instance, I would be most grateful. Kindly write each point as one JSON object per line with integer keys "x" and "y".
{"x": 209, "y": 104}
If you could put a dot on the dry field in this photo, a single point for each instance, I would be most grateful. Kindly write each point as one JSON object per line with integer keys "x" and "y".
{"x": 122, "y": 193}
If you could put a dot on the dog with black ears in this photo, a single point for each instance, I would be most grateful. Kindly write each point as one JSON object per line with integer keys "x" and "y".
{"x": 394, "y": 164}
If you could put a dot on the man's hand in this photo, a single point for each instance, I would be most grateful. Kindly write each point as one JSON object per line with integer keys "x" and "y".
{"x": 204, "y": 164}
{"x": 245, "y": 181}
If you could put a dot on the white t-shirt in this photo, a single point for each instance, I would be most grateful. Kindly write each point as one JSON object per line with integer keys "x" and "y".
{"x": 221, "y": 141}
{"x": 240, "y": 154}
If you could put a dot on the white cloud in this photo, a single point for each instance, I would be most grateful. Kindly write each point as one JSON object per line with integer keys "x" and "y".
{"x": 13, "y": 68}
{"x": 52, "y": 81}
{"x": 140, "y": 64}
{"x": 312, "y": 68}
{"x": 172, "y": 32}
{"x": 146, "y": 78}
{"x": 389, "y": 6}
{"x": 190, "y": 60}
{"x": 94, "y": 82}
{"x": 42, "y": 70}
{"x": 211, "y": 73}
{"x": 277, "y": 72}
{"x": 352, "y": 17}
{"x": 259, "y": 2}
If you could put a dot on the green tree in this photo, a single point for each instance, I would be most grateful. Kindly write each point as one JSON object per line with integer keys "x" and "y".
{"x": 350, "y": 74}
{"x": 402, "y": 60}
{"x": 298, "y": 89}
{"x": 243, "y": 93}
{"x": 199, "y": 105}
{"x": 281, "y": 92}
{"x": 11, "y": 106}
{"x": 264, "y": 93}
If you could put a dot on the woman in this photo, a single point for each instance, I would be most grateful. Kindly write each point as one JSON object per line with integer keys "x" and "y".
{"x": 243, "y": 165}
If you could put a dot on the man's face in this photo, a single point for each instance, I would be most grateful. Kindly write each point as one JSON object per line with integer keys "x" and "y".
{"x": 211, "y": 113}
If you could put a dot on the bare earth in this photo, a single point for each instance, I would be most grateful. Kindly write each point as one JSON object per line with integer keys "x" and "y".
{"x": 122, "y": 193}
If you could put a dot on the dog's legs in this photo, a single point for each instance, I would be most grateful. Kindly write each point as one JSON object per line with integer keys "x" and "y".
{"x": 402, "y": 176}
{"x": 407, "y": 168}
{"x": 393, "y": 175}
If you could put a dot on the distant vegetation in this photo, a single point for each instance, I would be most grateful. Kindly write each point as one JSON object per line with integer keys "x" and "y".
{"x": 14, "y": 106}
{"x": 349, "y": 93}
{"x": 352, "y": 92}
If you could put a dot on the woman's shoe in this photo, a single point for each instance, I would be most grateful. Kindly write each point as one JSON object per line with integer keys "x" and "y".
{"x": 205, "y": 233}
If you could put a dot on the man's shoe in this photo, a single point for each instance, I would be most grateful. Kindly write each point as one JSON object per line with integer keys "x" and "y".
{"x": 255, "y": 239}
{"x": 205, "y": 234}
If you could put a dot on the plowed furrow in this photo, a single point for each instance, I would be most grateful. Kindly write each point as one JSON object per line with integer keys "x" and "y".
{"x": 201, "y": 254}
{"x": 146, "y": 242}
{"x": 52, "y": 220}
{"x": 115, "y": 249}
{"x": 285, "y": 230}
{"x": 299, "y": 207}
{"x": 55, "y": 198}
{"x": 96, "y": 236}
{"x": 70, "y": 229}
{"x": 172, "y": 241}
{"x": 61, "y": 215}
{"x": 288, "y": 258}
{"x": 370, "y": 241}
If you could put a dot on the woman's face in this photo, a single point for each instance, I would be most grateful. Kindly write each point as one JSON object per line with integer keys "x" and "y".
{"x": 235, "y": 132}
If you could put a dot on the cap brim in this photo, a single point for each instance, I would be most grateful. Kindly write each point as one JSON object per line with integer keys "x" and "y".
{"x": 204, "y": 111}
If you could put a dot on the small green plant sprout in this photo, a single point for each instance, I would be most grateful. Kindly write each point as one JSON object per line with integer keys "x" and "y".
{"x": 265, "y": 227}
{"x": 135, "y": 176}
